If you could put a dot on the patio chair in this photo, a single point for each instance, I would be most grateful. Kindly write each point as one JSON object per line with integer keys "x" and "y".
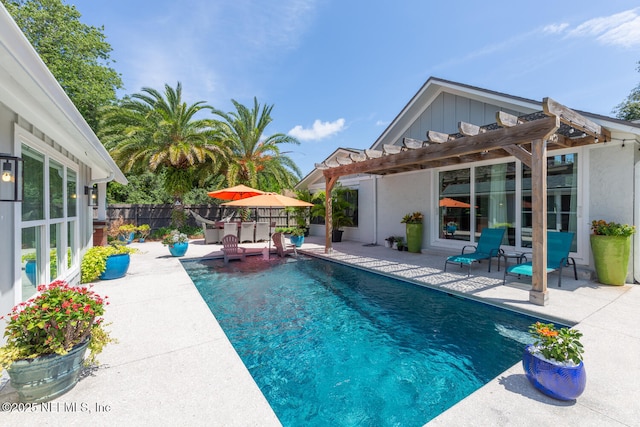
{"x": 247, "y": 231}
{"x": 230, "y": 228}
{"x": 282, "y": 247}
{"x": 487, "y": 248}
{"x": 231, "y": 250}
{"x": 262, "y": 231}
{"x": 209, "y": 229}
{"x": 558, "y": 247}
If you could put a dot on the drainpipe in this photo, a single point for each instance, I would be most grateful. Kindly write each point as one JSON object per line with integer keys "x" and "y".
{"x": 636, "y": 221}
{"x": 375, "y": 209}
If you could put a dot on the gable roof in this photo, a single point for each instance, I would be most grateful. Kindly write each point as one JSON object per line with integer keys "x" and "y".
{"x": 28, "y": 88}
{"x": 434, "y": 87}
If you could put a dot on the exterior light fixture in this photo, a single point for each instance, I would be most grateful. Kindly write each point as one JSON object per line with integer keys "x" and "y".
{"x": 11, "y": 180}
{"x": 92, "y": 192}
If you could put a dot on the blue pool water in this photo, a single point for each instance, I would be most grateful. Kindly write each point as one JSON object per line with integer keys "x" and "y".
{"x": 331, "y": 345}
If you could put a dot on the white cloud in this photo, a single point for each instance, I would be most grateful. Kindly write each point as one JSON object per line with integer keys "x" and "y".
{"x": 382, "y": 123}
{"x": 622, "y": 29}
{"x": 555, "y": 28}
{"x": 318, "y": 131}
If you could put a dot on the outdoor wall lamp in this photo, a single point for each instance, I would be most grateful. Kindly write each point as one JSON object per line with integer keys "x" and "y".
{"x": 11, "y": 181}
{"x": 92, "y": 192}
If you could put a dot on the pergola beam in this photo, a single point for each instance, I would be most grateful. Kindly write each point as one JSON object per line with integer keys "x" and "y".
{"x": 575, "y": 120}
{"x": 500, "y": 138}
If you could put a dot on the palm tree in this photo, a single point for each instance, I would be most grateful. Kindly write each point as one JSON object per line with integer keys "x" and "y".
{"x": 256, "y": 161}
{"x": 149, "y": 131}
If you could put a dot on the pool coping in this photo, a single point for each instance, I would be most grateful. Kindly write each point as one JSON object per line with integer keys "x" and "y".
{"x": 174, "y": 365}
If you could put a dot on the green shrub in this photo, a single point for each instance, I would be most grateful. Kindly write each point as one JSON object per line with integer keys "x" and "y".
{"x": 94, "y": 261}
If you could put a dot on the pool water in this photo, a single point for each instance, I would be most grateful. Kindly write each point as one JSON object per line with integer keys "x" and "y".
{"x": 331, "y": 345}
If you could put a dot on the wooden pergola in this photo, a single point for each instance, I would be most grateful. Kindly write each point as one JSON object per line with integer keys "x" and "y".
{"x": 527, "y": 138}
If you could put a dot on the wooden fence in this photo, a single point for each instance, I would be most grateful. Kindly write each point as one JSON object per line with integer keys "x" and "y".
{"x": 158, "y": 216}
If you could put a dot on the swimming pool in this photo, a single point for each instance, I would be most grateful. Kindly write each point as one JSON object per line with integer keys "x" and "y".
{"x": 332, "y": 345}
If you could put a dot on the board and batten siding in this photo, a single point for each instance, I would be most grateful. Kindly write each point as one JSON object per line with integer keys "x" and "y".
{"x": 446, "y": 110}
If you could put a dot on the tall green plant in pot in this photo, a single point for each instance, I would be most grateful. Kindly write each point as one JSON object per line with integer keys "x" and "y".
{"x": 339, "y": 207}
{"x": 413, "y": 223}
{"x": 611, "y": 246}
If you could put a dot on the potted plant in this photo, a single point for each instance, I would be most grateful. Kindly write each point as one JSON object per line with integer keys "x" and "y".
{"x": 413, "y": 223}
{"x": 127, "y": 233}
{"x": 400, "y": 244}
{"x": 553, "y": 363}
{"x": 30, "y": 267}
{"x": 388, "y": 242}
{"x": 143, "y": 230}
{"x": 302, "y": 215}
{"x": 177, "y": 242}
{"x": 297, "y": 236}
{"x": 105, "y": 262}
{"x": 339, "y": 207}
{"x": 611, "y": 245}
{"x": 47, "y": 338}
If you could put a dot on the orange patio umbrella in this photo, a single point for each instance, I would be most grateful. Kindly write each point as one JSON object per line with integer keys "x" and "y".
{"x": 269, "y": 200}
{"x": 237, "y": 192}
{"x": 453, "y": 203}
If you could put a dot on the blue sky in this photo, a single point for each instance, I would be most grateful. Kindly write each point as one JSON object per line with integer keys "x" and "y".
{"x": 338, "y": 72}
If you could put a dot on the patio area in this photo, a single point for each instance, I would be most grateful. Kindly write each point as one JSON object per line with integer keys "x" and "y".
{"x": 174, "y": 365}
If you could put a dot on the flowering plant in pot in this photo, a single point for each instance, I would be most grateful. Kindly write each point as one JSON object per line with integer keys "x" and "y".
{"x": 177, "y": 241}
{"x": 611, "y": 246}
{"x": 413, "y": 223}
{"x": 553, "y": 363}
{"x": 47, "y": 337}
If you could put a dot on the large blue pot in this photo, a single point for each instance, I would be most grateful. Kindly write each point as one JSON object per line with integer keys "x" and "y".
{"x": 47, "y": 377}
{"x": 559, "y": 382}
{"x": 297, "y": 240}
{"x": 30, "y": 271}
{"x": 178, "y": 249}
{"x": 117, "y": 266}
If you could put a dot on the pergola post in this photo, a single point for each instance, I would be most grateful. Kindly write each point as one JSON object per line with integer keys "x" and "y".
{"x": 538, "y": 294}
{"x": 328, "y": 212}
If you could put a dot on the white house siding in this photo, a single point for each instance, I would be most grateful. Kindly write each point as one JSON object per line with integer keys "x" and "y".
{"x": 446, "y": 110}
{"x": 399, "y": 195}
{"x": 611, "y": 186}
{"x": 8, "y": 233}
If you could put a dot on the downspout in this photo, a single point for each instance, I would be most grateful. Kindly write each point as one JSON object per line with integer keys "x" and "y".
{"x": 375, "y": 209}
{"x": 636, "y": 222}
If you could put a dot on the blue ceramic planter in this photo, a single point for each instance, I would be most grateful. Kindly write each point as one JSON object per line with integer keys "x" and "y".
{"x": 297, "y": 240}
{"x": 128, "y": 239}
{"x": 559, "y": 382}
{"x": 178, "y": 249}
{"x": 117, "y": 266}
{"x": 30, "y": 271}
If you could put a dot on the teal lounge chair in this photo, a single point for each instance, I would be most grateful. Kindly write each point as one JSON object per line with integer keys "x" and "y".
{"x": 558, "y": 247}
{"x": 487, "y": 248}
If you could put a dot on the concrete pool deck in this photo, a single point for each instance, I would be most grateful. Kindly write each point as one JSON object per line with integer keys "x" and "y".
{"x": 174, "y": 366}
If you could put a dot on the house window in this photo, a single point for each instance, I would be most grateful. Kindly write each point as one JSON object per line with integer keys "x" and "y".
{"x": 455, "y": 204}
{"x": 495, "y": 198}
{"x": 495, "y": 189}
{"x": 49, "y": 218}
{"x": 351, "y": 196}
{"x": 562, "y": 197}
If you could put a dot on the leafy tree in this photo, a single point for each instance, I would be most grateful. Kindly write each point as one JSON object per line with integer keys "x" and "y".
{"x": 152, "y": 132}
{"x": 76, "y": 54}
{"x": 630, "y": 108}
{"x": 254, "y": 160}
